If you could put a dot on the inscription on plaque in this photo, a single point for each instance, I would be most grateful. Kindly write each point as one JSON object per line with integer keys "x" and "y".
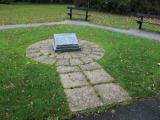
{"x": 66, "y": 42}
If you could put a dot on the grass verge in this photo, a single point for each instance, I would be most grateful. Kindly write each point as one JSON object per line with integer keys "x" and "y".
{"x": 32, "y": 13}
{"x": 30, "y": 90}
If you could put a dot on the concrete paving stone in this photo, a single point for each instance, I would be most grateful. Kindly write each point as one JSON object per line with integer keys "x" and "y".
{"x": 33, "y": 46}
{"x": 67, "y": 55}
{"x": 52, "y": 55}
{"x": 98, "y": 76}
{"x": 98, "y": 53}
{"x": 95, "y": 57}
{"x": 67, "y": 69}
{"x": 86, "y": 49}
{"x": 83, "y": 41}
{"x": 49, "y": 61}
{"x": 29, "y": 51}
{"x": 80, "y": 55}
{"x": 86, "y": 60}
{"x": 32, "y": 50}
{"x": 48, "y": 47}
{"x": 36, "y": 44}
{"x": 86, "y": 52}
{"x": 90, "y": 66}
{"x": 41, "y": 58}
{"x": 111, "y": 93}
{"x": 72, "y": 80}
{"x": 94, "y": 45}
{"x": 42, "y": 45}
{"x": 77, "y": 54}
{"x": 46, "y": 53}
{"x": 75, "y": 61}
{"x": 60, "y": 56}
{"x": 45, "y": 50}
{"x": 86, "y": 45}
{"x": 33, "y": 55}
{"x": 74, "y": 55}
{"x": 62, "y": 62}
{"x": 98, "y": 49}
{"x": 82, "y": 98}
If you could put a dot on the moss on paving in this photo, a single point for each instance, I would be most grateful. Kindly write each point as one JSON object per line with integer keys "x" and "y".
{"x": 30, "y": 90}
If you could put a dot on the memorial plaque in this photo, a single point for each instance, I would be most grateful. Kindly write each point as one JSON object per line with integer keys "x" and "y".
{"x": 66, "y": 42}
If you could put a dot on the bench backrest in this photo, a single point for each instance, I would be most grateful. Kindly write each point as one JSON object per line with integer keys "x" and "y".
{"x": 78, "y": 8}
{"x": 148, "y": 15}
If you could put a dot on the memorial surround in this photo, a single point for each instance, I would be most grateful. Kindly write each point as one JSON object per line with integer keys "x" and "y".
{"x": 86, "y": 84}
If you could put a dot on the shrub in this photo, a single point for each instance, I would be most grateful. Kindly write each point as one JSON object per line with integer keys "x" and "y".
{"x": 116, "y": 6}
{"x": 127, "y": 6}
{"x": 7, "y": 1}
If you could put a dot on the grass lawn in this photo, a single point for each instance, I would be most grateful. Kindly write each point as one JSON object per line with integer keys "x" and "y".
{"x": 31, "y": 90}
{"x": 24, "y": 13}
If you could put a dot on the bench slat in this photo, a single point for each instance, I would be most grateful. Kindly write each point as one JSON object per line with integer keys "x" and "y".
{"x": 78, "y": 8}
{"x": 71, "y": 13}
{"x": 147, "y": 15}
{"x": 77, "y": 14}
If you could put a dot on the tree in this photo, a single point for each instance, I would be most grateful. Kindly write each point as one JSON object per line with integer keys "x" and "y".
{"x": 81, "y": 3}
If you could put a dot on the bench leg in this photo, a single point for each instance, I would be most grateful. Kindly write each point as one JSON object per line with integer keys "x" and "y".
{"x": 140, "y": 25}
{"x": 71, "y": 14}
{"x": 86, "y": 18}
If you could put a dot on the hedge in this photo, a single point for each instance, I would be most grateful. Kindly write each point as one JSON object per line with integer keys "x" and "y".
{"x": 114, "y": 6}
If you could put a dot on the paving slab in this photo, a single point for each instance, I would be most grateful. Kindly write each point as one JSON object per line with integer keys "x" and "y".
{"x": 62, "y": 62}
{"x": 75, "y": 61}
{"x": 40, "y": 58}
{"x": 98, "y": 76}
{"x": 98, "y": 49}
{"x": 67, "y": 55}
{"x": 52, "y": 55}
{"x": 32, "y": 50}
{"x": 82, "y": 98}
{"x": 90, "y": 66}
{"x": 95, "y": 57}
{"x": 49, "y": 61}
{"x": 34, "y": 54}
{"x": 112, "y": 93}
{"x": 60, "y": 56}
{"x": 72, "y": 80}
{"x": 86, "y": 60}
{"x": 68, "y": 69}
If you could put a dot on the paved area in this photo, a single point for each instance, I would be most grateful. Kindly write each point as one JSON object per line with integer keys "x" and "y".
{"x": 140, "y": 110}
{"x": 134, "y": 32}
{"x": 86, "y": 84}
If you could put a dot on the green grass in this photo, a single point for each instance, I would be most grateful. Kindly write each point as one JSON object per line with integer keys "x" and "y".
{"x": 31, "y": 90}
{"x": 124, "y": 22}
{"x": 32, "y": 13}
{"x": 23, "y": 13}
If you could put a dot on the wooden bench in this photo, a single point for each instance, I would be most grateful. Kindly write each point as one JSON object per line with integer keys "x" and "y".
{"x": 70, "y": 13}
{"x": 141, "y": 20}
